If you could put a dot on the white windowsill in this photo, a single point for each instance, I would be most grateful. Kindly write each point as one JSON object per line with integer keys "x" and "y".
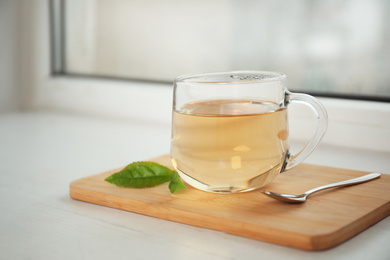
{"x": 352, "y": 124}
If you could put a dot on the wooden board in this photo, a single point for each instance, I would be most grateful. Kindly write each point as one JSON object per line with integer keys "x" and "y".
{"x": 327, "y": 219}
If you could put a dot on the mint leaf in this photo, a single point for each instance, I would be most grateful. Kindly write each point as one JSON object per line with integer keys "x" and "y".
{"x": 176, "y": 184}
{"x": 141, "y": 175}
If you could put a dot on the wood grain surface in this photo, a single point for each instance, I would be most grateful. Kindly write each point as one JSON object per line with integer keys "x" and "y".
{"x": 327, "y": 219}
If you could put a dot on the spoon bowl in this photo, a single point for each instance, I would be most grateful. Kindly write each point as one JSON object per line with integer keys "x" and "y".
{"x": 300, "y": 198}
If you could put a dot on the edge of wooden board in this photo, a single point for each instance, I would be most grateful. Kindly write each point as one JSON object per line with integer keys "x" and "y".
{"x": 267, "y": 234}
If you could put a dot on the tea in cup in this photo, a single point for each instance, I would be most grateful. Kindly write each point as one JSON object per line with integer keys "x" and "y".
{"x": 230, "y": 130}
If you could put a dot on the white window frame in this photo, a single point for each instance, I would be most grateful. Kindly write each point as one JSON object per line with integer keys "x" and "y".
{"x": 352, "y": 123}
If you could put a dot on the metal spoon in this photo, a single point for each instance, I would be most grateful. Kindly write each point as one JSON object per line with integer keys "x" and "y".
{"x": 299, "y": 198}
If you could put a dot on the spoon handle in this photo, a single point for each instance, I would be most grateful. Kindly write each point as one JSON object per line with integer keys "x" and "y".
{"x": 361, "y": 179}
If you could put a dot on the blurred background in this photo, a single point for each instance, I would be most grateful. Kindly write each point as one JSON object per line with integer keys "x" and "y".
{"x": 330, "y": 48}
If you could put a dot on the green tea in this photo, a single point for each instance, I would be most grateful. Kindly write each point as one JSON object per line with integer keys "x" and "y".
{"x": 229, "y": 145}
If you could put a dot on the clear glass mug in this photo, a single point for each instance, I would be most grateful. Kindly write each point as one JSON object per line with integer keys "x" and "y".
{"x": 230, "y": 129}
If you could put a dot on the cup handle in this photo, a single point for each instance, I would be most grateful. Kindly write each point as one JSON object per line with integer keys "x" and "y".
{"x": 322, "y": 123}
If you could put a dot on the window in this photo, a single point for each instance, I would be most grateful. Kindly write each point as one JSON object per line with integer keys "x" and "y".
{"x": 326, "y": 48}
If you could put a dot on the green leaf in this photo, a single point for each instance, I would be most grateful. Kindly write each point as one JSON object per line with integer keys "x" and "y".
{"x": 141, "y": 175}
{"x": 176, "y": 184}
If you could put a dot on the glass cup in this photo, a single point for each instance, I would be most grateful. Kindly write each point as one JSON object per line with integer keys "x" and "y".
{"x": 230, "y": 130}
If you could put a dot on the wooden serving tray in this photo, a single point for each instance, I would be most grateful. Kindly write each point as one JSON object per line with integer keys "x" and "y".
{"x": 324, "y": 221}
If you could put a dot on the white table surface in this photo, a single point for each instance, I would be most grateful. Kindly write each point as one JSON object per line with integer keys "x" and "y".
{"x": 42, "y": 152}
